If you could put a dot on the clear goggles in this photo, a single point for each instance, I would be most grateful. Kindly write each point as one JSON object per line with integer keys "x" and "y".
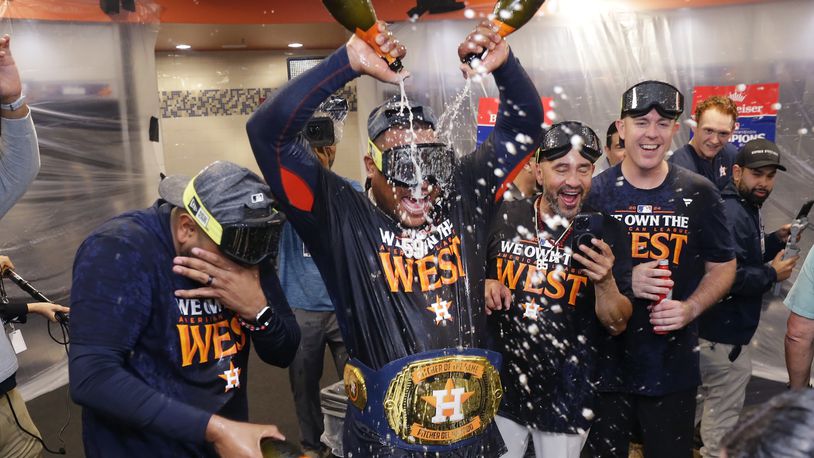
{"x": 409, "y": 165}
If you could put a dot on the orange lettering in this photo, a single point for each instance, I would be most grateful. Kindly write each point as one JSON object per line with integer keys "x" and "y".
{"x": 393, "y": 278}
{"x": 201, "y": 346}
{"x": 533, "y": 278}
{"x": 577, "y": 281}
{"x": 658, "y": 244}
{"x": 219, "y": 339}
{"x": 553, "y": 279}
{"x": 426, "y": 269}
{"x": 507, "y": 275}
{"x": 636, "y": 246}
{"x": 680, "y": 239}
{"x": 446, "y": 265}
{"x": 237, "y": 331}
{"x": 456, "y": 249}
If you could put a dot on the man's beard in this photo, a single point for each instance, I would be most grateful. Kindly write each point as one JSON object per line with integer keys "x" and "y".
{"x": 554, "y": 204}
{"x": 749, "y": 195}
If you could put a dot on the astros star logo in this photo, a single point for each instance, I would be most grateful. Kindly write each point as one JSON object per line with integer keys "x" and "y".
{"x": 531, "y": 309}
{"x": 441, "y": 309}
{"x": 448, "y": 402}
{"x": 232, "y": 377}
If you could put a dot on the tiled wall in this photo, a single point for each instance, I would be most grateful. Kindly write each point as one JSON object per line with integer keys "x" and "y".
{"x": 207, "y": 97}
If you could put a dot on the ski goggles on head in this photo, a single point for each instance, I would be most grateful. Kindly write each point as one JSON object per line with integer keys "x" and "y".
{"x": 250, "y": 241}
{"x": 565, "y": 136}
{"x": 409, "y": 165}
{"x": 643, "y": 97}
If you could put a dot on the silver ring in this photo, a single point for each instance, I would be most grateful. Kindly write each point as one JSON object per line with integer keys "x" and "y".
{"x": 210, "y": 280}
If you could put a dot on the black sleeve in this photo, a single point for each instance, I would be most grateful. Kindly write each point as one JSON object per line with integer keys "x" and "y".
{"x": 617, "y": 239}
{"x": 752, "y": 277}
{"x": 14, "y": 311}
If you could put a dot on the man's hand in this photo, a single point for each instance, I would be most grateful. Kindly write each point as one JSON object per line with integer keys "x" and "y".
{"x": 598, "y": 265}
{"x": 364, "y": 60}
{"x": 235, "y": 286}
{"x": 670, "y": 315}
{"x": 10, "y": 85}
{"x": 484, "y": 38}
{"x": 783, "y": 268}
{"x": 5, "y": 264}
{"x": 47, "y": 309}
{"x": 498, "y": 296}
{"x": 784, "y": 232}
{"x": 236, "y": 439}
{"x": 648, "y": 282}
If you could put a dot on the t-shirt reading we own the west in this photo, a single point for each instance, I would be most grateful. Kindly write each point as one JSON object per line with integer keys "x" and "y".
{"x": 550, "y": 334}
{"x": 682, "y": 220}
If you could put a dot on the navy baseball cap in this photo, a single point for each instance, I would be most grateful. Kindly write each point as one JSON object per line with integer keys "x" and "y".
{"x": 392, "y": 113}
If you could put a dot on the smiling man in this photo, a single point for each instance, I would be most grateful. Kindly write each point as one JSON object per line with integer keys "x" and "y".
{"x": 675, "y": 215}
{"x": 709, "y": 152}
{"x": 404, "y": 263}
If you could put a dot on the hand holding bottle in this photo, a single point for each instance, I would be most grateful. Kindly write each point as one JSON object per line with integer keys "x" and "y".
{"x": 484, "y": 37}
{"x": 366, "y": 60}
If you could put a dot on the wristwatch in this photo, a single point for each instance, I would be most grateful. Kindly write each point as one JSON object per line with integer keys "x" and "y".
{"x": 263, "y": 318}
{"x": 13, "y": 106}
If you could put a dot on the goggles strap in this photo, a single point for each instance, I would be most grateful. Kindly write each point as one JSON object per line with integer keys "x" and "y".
{"x": 375, "y": 153}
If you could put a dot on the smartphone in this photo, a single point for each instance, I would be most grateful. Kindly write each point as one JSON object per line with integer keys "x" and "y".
{"x": 587, "y": 226}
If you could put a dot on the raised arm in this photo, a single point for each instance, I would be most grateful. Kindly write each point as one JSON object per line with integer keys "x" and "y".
{"x": 285, "y": 160}
{"x": 19, "y": 151}
{"x": 520, "y": 116}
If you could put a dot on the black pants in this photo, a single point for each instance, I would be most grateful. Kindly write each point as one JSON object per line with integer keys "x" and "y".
{"x": 665, "y": 425}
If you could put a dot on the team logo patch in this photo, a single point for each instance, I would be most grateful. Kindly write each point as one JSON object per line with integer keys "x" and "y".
{"x": 355, "y": 387}
{"x": 532, "y": 310}
{"x": 443, "y": 400}
{"x": 687, "y": 202}
{"x": 441, "y": 310}
{"x": 232, "y": 377}
{"x": 644, "y": 209}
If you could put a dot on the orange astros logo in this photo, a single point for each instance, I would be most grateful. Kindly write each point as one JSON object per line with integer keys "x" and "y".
{"x": 531, "y": 309}
{"x": 232, "y": 377}
{"x": 448, "y": 402}
{"x": 441, "y": 309}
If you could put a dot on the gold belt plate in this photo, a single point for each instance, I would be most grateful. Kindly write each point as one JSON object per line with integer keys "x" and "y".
{"x": 443, "y": 400}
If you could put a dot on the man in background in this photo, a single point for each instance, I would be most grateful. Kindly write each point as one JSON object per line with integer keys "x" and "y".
{"x": 308, "y": 297}
{"x": 19, "y": 164}
{"x": 800, "y": 327}
{"x": 614, "y": 150}
{"x": 727, "y": 328}
{"x": 709, "y": 152}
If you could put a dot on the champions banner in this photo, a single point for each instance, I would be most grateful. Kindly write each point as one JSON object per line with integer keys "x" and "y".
{"x": 487, "y": 115}
{"x": 757, "y": 108}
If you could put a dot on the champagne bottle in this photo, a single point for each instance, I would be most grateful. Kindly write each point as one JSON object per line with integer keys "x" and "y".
{"x": 510, "y": 15}
{"x": 273, "y": 448}
{"x": 359, "y": 17}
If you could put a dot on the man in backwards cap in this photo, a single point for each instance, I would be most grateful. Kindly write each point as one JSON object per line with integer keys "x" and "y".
{"x": 650, "y": 372}
{"x": 560, "y": 311}
{"x": 404, "y": 264}
{"x": 165, "y": 304}
{"x": 726, "y": 329}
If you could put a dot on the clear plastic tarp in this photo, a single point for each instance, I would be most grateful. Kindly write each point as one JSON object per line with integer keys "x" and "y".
{"x": 586, "y": 59}
{"x": 91, "y": 87}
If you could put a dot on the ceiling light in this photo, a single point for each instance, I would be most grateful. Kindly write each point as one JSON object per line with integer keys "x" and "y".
{"x": 183, "y": 46}
{"x": 295, "y": 45}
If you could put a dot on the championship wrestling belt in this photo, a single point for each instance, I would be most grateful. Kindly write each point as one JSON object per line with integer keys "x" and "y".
{"x": 431, "y": 401}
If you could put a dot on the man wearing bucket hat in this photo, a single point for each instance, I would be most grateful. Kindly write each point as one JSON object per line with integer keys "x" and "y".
{"x": 166, "y": 304}
{"x": 404, "y": 265}
{"x": 726, "y": 329}
{"x": 554, "y": 295}
{"x": 676, "y": 217}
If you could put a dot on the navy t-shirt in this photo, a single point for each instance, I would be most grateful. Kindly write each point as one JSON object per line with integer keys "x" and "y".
{"x": 151, "y": 368}
{"x": 681, "y": 220}
{"x": 550, "y": 335}
{"x": 718, "y": 170}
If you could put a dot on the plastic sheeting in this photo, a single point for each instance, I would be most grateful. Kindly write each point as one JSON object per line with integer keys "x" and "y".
{"x": 91, "y": 88}
{"x": 586, "y": 60}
